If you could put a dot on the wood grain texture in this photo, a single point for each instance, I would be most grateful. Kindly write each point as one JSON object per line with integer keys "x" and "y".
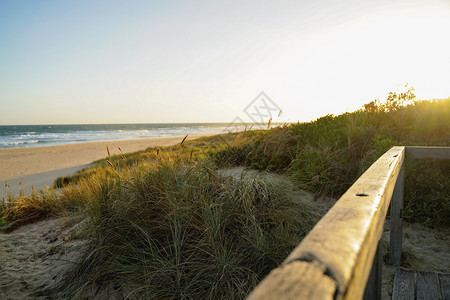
{"x": 343, "y": 244}
{"x": 404, "y": 285}
{"x": 427, "y": 285}
{"x": 444, "y": 282}
{"x": 346, "y": 238}
{"x": 296, "y": 280}
{"x": 428, "y": 152}
{"x": 395, "y": 249}
{"x": 373, "y": 287}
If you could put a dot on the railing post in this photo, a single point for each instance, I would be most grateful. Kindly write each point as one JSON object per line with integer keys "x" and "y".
{"x": 340, "y": 258}
{"x": 395, "y": 249}
{"x": 373, "y": 287}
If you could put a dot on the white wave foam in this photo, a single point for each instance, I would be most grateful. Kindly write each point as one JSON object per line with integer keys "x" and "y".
{"x": 33, "y": 138}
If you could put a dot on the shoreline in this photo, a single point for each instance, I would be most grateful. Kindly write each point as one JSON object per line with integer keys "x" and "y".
{"x": 40, "y": 166}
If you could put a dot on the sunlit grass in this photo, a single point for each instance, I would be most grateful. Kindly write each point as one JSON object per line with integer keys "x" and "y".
{"x": 177, "y": 227}
{"x": 165, "y": 224}
{"x": 326, "y": 156}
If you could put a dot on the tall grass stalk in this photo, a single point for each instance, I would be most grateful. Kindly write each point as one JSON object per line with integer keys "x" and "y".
{"x": 181, "y": 230}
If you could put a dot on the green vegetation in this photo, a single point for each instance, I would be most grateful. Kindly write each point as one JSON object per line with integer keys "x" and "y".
{"x": 166, "y": 224}
{"x": 326, "y": 156}
{"x": 172, "y": 229}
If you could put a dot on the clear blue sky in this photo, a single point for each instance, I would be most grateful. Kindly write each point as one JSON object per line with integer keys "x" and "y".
{"x": 68, "y": 62}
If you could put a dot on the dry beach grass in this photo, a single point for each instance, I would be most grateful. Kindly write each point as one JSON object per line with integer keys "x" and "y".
{"x": 39, "y": 166}
{"x": 191, "y": 221}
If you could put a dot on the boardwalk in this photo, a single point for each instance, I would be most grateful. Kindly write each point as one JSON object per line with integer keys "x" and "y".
{"x": 341, "y": 256}
{"x": 421, "y": 285}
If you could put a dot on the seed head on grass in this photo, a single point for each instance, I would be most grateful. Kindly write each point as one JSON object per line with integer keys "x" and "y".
{"x": 183, "y": 229}
{"x": 121, "y": 154}
{"x": 182, "y": 142}
{"x": 109, "y": 153}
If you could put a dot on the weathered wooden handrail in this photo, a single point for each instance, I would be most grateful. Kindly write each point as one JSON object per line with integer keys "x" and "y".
{"x": 428, "y": 152}
{"x": 421, "y": 152}
{"x": 335, "y": 259}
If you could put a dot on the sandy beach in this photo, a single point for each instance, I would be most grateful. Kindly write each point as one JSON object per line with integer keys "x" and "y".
{"x": 40, "y": 166}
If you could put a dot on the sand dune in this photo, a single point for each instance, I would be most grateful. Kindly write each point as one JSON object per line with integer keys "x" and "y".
{"x": 40, "y": 166}
{"x": 34, "y": 258}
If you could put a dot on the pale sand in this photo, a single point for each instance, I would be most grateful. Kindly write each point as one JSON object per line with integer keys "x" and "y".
{"x": 34, "y": 258}
{"x": 424, "y": 248}
{"x": 40, "y": 166}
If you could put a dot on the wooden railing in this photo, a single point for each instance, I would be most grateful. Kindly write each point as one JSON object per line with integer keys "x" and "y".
{"x": 341, "y": 256}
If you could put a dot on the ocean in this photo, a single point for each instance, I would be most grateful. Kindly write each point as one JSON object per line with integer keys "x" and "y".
{"x": 47, "y": 135}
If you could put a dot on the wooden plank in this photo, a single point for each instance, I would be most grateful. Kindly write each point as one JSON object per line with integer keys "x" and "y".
{"x": 428, "y": 152}
{"x": 396, "y": 230}
{"x": 373, "y": 287}
{"x": 444, "y": 282}
{"x": 296, "y": 280}
{"x": 346, "y": 238}
{"x": 427, "y": 284}
{"x": 404, "y": 285}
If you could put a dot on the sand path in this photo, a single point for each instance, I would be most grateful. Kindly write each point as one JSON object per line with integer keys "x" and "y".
{"x": 424, "y": 248}
{"x": 34, "y": 257}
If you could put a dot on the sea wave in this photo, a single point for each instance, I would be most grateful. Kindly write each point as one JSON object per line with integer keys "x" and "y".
{"x": 11, "y": 143}
{"x": 70, "y": 134}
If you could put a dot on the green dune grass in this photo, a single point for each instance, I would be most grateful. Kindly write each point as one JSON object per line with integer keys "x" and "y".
{"x": 166, "y": 224}
{"x": 327, "y": 155}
